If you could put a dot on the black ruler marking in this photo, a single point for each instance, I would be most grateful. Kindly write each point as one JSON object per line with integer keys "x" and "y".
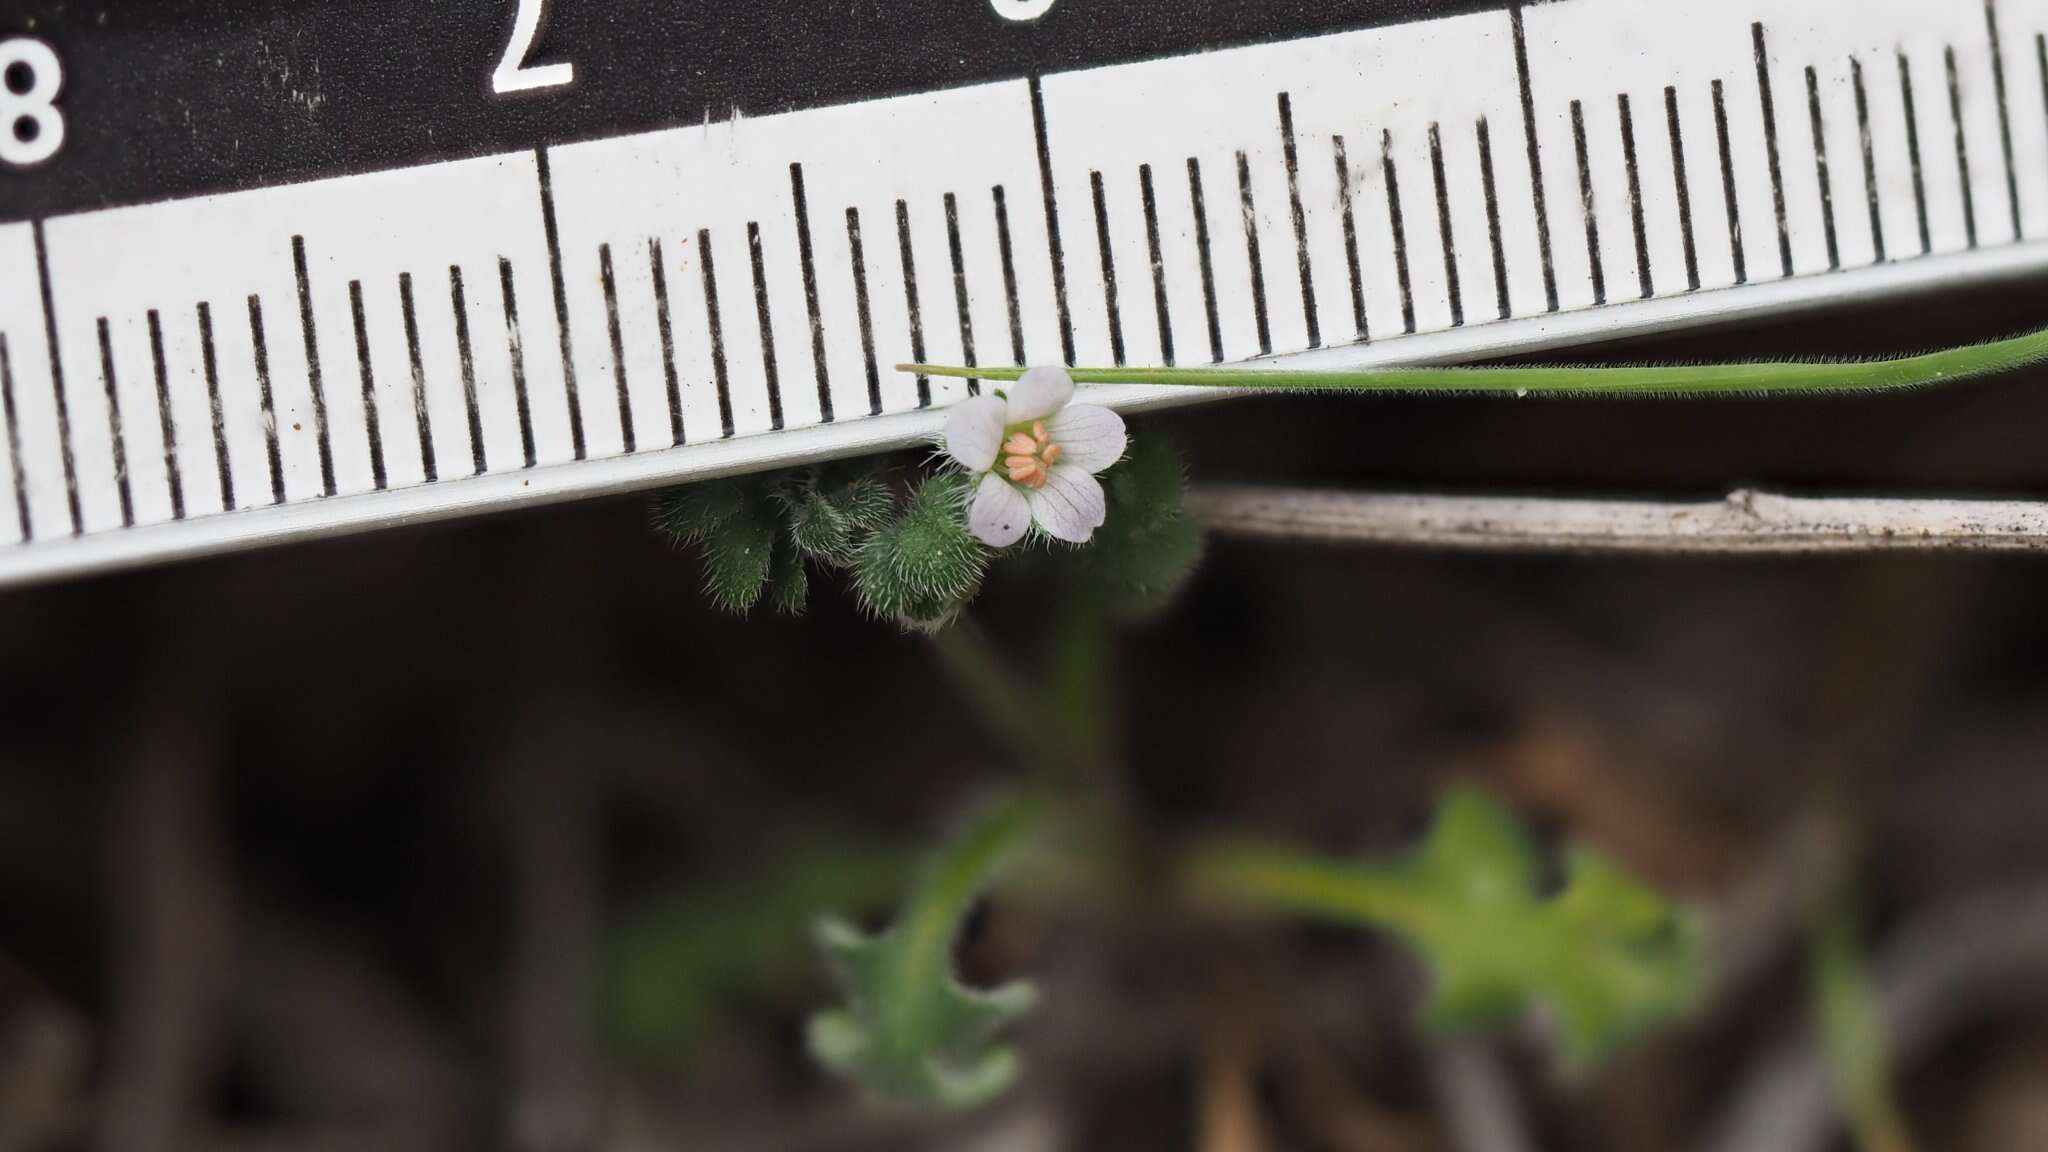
{"x": 1250, "y": 212}
{"x": 420, "y": 414}
{"x": 554, "y": 241}
{"x": 1445, "y": 233}
{"x": 764, "y": 318}
{"x": 1056, "y": 250}
{"x": 1201, "y": 210}
{"x": 1158, "y": 256}
{"x": 467, "y": 357}
{"x": 1008, "y": 257}
{"x": 715, "y": 332}
{"x": 114, "y": 427}
{"x": 960, "y": 290}
{"x": 611, "y": 316}
{"x": 1770, "y": 111}
{"x": 515, "y": 348}
{"x": 313, "y": 381}
{"x": 665, "y": 326}
{"x": 863, "y": 309}
{"x": 1674, "y": 127}
{"x": 1728, "y": 184}
{"x": 807, "y": 261}
{"x": 259, "y": 347}
{"x": 14, "y": 441}
{"x": 368, "y": 380}
{"x": 1291, "y": 154}
{"x": 57, "y": 379}
{"x": 1535, "y": 154}
{"x": 1586, "y": 206}
{"x": 1396, "y": 221}
{"x": 1820, "y": 169}
{"x": 906, "y": 255}
{"x": 1111, "y": 306}
{"x": 1913, "y": 152}
{"x": 211, "y": 366}
{"x": 1869, "y": 146}
{"x": 1502, "y": 304}
{"x": 1640, "y": 226}
{"x": 2012, "y": 173}
{"x": 1955, "y": 115}
{"x": 168, "y": 427}
{"x": 1350, "y": 214}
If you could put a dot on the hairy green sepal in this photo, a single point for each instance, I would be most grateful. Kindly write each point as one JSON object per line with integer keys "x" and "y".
{"x": 1606, "y": 959}
{"x": 910, "y": 1032}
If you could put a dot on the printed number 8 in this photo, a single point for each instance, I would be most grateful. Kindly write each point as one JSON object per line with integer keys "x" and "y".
{"x": 31, "y": 129}
{"x": 1022, "y": 9}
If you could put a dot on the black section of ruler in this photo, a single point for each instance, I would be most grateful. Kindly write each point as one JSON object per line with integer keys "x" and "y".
{"x": 180, "y": 97}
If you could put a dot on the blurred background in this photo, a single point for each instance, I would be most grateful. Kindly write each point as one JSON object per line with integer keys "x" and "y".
{"x": 493, "y": 834}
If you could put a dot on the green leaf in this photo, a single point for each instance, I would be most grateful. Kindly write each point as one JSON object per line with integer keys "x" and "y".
{"x": 921, "y": 568}
{"x": 790, "y": 583}
{"x": 1607, "y": 959}
{"x": 1149, "y": 545}
{"x": 738, "y": 554}
{"x": 910, "y": 1033}
{"x": 830, "y": 518}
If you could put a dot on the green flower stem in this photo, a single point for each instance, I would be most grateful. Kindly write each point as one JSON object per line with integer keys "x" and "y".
{"x": 1754, "y": 379}
{"x": 1279, "y": 879}
{"x": 1852, "y": 1030}
{"x": 947, "y": 892}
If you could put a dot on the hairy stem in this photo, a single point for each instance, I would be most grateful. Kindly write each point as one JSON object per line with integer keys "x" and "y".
{"x": 1752, "y": 379}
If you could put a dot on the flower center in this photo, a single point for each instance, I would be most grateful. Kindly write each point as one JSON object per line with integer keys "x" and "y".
{"x": 1029, "y": 454}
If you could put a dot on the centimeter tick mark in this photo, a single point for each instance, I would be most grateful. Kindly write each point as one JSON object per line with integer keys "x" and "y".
{"x": 1502, "y": 304}
{"x": 1009, "y": 262}
{"x": 665, "y": 325}
{"x": 368, "y": 381}
{"x": 515, "y": 350}
{"x": 1052, "y": 219}
{"x": 1955, "y": 115}
{"x": 611, "y": 315}
{"x": 1250, "y": 214}
{"x": 114, "y": 427}
{"x": 906, "y": 255}
{"x": 2012, "y": 174}
{"x": 1395, "y": 220}
{"x": 1869, "y": 148}
{"x": 1635, "y": 195}
{"x": 165, "y": 424}
{"x": 1535, "y": 154}
{"x": 1150, "y": 202}
{"x": 420, "y": 416}
{"x": 960, "y": 289}
{"x": 807, "y": 260}
{"x": 1111, "y": 306}
{"x": 1201, "y": 209}
{"x": 259, "y": 346}
{"x": 715, "y": 330}
{"x": 1445, "y": 233}
{"x": 864, "y": 309}
{"x": 57, "y": 380}
{"x": 1770, "y": 111}
{"x": 211, "y": 366}
{"x": 467, "y": 357}
{"x": 313, "y": 380}
{"x": 1593, "y": 256}
{"x": 1350, "y": 215}
{"x": 1913, "y": 153}
{"x": 1300, "y": 215}
{"x": 1820, "y": 167}
{"x": 554, "y": 242}
{"x": 1684, "y": 186}
{"x": 1734, "y": 208}
{"x": 13, "y": 440}
{"x": 765, "y": 322}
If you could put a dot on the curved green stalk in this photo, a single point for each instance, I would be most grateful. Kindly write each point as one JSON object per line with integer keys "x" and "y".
{"x": 1753, "y": 379}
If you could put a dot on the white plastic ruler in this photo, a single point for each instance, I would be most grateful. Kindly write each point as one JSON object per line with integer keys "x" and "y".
{"x": 208, "y": 371}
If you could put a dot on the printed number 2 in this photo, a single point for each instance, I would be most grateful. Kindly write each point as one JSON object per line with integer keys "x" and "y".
{"x": 513, "y": 75}
{"x": 31, "y": 129}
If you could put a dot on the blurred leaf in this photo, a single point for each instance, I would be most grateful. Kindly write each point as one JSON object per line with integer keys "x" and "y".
{"x": 910, "y": 1033}
{"x": 1607, "y": 959}
{"x": 923, "y": 566}
{"x": 1850, "y": 1020}
{"x": 1149, "y": 545}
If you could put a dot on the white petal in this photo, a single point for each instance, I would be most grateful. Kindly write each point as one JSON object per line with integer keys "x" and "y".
{"x": 1071, "y": 505}
{"x": 1042, "y": 392}
{"x": 1000, "y": 515}
{"x": 1089, "y": 437}
{"x": 974, "y": 432}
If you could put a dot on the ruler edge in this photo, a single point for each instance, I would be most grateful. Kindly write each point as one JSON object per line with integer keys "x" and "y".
{"x": 250, "y": 529}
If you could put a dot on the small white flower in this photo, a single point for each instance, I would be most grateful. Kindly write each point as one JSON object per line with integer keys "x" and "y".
{"x": 1037, "y": 456}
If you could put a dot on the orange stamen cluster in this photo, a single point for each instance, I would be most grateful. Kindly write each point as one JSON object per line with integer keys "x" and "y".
{"x": 1029, "y": 456}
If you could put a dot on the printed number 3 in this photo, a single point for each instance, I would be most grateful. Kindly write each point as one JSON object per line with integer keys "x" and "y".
{"x": 31, "y": 129}
{"x": 1022, "y": 9}
{"x": 513, "y": 75}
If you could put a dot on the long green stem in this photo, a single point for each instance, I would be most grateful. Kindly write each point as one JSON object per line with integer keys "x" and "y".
{"x": 1276, "y": 878}
{"x": 1752, "y": 379}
